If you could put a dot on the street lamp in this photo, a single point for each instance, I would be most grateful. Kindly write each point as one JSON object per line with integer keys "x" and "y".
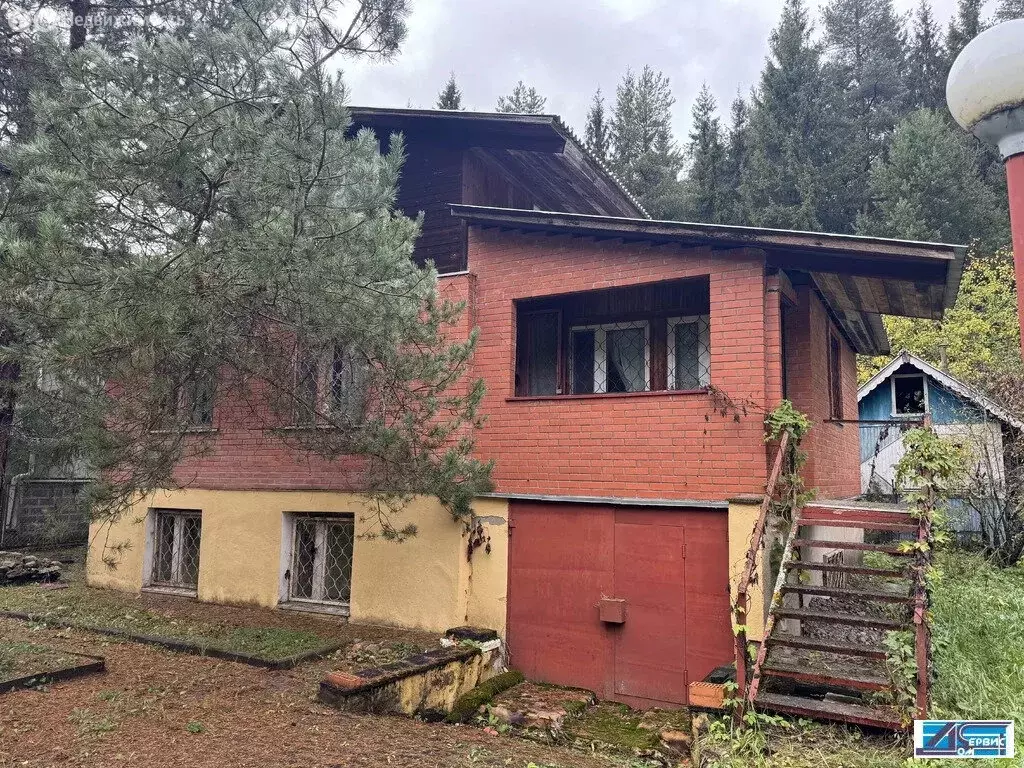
{"x": 985, "y": 93}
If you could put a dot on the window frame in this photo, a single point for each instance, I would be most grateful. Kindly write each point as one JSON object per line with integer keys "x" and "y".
{"x": 325, "y": 378}
{"x": 175, "y": 584}
{"x": 892, "y": 394}
{"x": 601, "y": 330}
{"x": 321, "y": 521}
{"x": 703, "y": 323}
{"x": 521, "y": 387}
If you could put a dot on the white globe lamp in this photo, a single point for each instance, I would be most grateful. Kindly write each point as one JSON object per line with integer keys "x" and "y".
{"x": 985, "y": 93}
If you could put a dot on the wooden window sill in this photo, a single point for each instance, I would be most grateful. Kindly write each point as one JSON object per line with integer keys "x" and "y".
{"x": 311, "y": 606}
{"x": 161, "y": 589}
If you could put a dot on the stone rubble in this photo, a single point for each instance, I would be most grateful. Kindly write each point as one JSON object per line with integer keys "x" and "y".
{"x": 18, "y": 568}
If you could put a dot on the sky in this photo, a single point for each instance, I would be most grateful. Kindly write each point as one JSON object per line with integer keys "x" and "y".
{"x": 569, "y": 48}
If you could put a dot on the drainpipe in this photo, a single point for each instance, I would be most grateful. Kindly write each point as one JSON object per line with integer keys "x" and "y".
{"x": 12, "y": 495}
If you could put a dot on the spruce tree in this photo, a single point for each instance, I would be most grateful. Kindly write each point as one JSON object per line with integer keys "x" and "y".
{"x": 789, "y": 133}
{"x": 1010, "y": 9}
{"x": 197, "y": 214}
{"x": 706, "y": 195}
{"x": 965, "y": 25}
{"x": 735, "y": 161}
{"x": 450, "y": 96}
{"x": 597, "y": 132}
{"x": 643, "y": 150}
{"x": 522, "y": 100}
{"x": 866, "y": 60}
{"x": 928, "y": 188}
{"x": 926, "y": 66}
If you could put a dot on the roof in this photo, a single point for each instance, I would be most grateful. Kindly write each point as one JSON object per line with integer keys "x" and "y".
{"x": 949, "y": 382}
{"x": 539, "y": 153}
{"x": 860, "y": 278}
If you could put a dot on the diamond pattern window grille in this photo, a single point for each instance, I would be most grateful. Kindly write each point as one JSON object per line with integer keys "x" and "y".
{"x": 322, "y": 559}
{"x": 176, "y": 548}
{"x": 610, "y": 358}
{"x": 689, "y": 352}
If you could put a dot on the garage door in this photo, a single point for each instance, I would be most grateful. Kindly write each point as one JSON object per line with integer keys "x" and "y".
{"x": 669, "y": 566}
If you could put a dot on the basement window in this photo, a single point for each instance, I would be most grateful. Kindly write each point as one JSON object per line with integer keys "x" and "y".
{"x": 320, "y": 566}
{"x": 175, "y": 548}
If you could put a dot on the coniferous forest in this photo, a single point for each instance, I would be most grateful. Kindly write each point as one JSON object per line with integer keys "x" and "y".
{"x": 846, "y": 131}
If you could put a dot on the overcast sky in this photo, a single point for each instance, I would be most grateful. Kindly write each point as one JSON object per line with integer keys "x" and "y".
{"x": 568, "y": 48}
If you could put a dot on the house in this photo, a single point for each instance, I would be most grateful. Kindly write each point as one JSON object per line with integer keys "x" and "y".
{"x": 905, "y": 392}
{"x": 629, "y": 365}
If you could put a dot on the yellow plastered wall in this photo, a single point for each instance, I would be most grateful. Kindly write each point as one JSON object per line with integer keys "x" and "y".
{"x": 742, "y": 518}
{"x": 425, "y": 582}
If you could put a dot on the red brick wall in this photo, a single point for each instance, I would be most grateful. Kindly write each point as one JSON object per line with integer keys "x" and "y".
{"x": 833, "y": 449}
{"x": 649, "y": 444}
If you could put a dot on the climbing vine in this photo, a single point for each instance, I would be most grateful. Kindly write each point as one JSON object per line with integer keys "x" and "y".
{"x": 928, "y": 469}
{"x": 791, "y": 491}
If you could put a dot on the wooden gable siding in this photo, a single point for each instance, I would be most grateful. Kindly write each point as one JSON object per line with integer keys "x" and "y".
{"x": 431, "y": 179}
{"x": 485, "y": 182}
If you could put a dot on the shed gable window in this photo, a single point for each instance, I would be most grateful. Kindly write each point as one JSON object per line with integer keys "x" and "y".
{"x": 637, "y": 339}
{"x": 909, "y": 395}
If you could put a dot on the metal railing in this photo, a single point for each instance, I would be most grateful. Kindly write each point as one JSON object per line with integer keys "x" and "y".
{"x": 742, "y": 604}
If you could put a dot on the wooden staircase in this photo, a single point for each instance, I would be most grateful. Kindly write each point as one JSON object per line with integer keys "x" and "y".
{"x": 823, "y": 654}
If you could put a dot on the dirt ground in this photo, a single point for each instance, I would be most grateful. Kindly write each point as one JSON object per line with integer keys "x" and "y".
{"x": 156, "y": 708}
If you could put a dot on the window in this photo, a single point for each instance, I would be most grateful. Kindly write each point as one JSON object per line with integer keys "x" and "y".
{"x": 909, "y": 395}
{"x": 610, "y": 358}
{"x": 835, "y": 377}
{"x": 321, "y": 560}
{"x": 176, "y": 534}
{"x": 537, "y": 366}
{"x": 190, "y": 402}
{"x": 689, "y": 352}
{"x": 331, "y": 389}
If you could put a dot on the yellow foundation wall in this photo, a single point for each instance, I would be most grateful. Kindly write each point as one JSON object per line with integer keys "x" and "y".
{"x": 742, "y": 518}
{"x": 425, "y": 582}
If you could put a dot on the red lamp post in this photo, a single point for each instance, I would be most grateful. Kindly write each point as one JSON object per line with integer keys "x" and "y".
{"x": 985, "y": 93}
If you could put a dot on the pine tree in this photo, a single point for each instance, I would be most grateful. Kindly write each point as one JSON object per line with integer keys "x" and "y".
{"x": 865, "y": 44}
{"x": 1010, "y": 9}
{"x": 522, "y": 100}
{"x": 706, "y": 195}
{"x": 789, "y": 132}
{"x": 926, "y": 71}
{"x": 928, "y": 188}
{"x": 450, "y": 96}
{"x": 963, "y": 27}
{"x": 597, "y": 129}
{"x": 197, "y": 213}
{"x": 643, "y": 151}
{"x": 735, "y": 162}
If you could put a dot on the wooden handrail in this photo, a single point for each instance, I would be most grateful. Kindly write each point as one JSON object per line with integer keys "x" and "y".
{"x": 742, "y": 590}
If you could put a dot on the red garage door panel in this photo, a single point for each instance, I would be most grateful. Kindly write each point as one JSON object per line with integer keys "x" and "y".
{"x": 669, "y": 565}
{"x": 562, "y": 561}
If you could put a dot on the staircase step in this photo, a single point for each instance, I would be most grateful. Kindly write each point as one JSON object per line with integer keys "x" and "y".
{"x": 847, "y": 619}
{"x": 829, "y": 646}
{"x": 889, "y": 549}
{"x": 806, "y": 565}
{"x": 884, "y": 597}
{"x": 874, "y": 717}
{"x": 867, "y": 525}
{"x": 862, "y": 681}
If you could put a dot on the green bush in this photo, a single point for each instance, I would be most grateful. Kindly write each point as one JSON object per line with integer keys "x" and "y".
{"x": 468, "y": 703}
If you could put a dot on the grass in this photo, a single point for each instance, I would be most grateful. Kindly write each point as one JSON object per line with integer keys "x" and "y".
{"x": 19, "y": 660}
{"x": 978, "y": 618}
{"x": 90, "y": 608}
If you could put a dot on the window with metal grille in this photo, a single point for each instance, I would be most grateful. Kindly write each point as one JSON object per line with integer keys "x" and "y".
{"x": 189, "y": 402}
{"x": 321, "y": 560}
{"x": 176, "y": 534}
{"x": 689, "y": 352}
{"x": 330, "y": 389}
{"x": 615, "y": 357}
